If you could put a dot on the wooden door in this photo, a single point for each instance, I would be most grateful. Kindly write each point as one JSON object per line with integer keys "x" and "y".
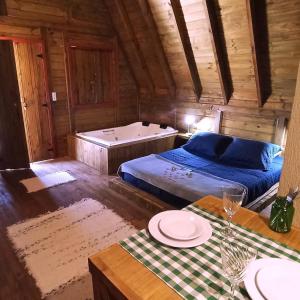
{"x": 34, "y": 99}
{"x": 13, "y": 150}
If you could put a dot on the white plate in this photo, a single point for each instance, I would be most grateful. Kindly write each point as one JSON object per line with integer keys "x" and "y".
{"x": 272, "y": 279}
{"x": 206, "y": 232}
{"x": 279, "y": 281}
{"x": 181, "y": 225}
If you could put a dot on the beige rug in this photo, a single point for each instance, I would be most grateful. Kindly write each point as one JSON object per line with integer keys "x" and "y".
{"x": 43, "y": 182}
{"x": 55, "y": 247}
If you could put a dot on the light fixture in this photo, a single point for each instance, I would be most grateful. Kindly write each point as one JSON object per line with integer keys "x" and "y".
{"x": 205, "y": 124}
{"x": 189, "y": 120}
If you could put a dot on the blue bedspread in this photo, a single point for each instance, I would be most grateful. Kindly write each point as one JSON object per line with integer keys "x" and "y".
{"x": 257, "y": 181}
{"x": 177, "y": 179}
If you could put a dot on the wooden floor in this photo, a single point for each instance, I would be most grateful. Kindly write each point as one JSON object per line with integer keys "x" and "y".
{"x": 16, "y": 205}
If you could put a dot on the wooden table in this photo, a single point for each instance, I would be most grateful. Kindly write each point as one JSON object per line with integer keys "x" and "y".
{"x": 117, "y": 275}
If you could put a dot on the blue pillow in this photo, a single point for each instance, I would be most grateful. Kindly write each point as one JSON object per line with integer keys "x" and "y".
{"x": 250, "y": 154}
{"x": 207, "y": 144}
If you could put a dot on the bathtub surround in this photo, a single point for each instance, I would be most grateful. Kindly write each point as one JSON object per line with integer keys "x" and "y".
{"x": 127, "y": 135}
{"x": 55, "y": 247}
{"x": 105, "y": 150}
{"x": 43, "y": 182}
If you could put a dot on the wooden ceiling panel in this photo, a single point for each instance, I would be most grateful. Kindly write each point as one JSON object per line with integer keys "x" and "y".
{"x": 156, "y": 45}
{"x": 284, "y": 48}
{"x": 138, "y": 45}
{"x": 154, "y": 67}
{"x": 216, "y": 33}
{"x": 282, "y": 31}
{"x": 158, "y": 59}
{"x": 233, "y": 16}
{"x": 130, "y": 46}
{"x": 167, "y": 28}
{"x": 198, "y": 30}
{"x": 187, "y": 46}
{"x": 133, "y": 38}
{"x": 88, "y": 11}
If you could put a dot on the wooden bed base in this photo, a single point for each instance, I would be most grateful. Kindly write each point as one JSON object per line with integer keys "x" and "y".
{"x": 155, "y": 205}
{"x": 141, "y": 198}
{"x": 107, "y": 160}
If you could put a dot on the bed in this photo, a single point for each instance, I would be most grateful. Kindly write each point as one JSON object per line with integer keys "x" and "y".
{"x": 181, "y": 176}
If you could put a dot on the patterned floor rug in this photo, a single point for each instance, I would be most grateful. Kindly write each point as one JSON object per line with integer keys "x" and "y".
{"x": 38, "y": 183}
{"x": 55, "y": 247}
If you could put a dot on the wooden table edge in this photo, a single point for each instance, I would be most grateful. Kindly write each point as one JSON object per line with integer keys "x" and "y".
{"x": 245, "y": 217}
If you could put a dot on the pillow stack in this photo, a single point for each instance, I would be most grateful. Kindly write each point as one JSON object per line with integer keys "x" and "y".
{"x": 250, "y": 154}
{"x": 232, "y": 150}
{"x": 207, "y": 144}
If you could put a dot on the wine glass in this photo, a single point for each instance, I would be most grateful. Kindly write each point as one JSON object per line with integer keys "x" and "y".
{"x": 235, "y": 259}
{"x": 232, "y": 201}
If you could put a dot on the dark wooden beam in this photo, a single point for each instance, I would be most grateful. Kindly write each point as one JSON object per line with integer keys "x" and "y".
{"x": 219, "y": 48}
{"x": 122, "y": 11}
{"x": 187, "y": 47}
{"x": 3, "y": 8}
{"x": 258, "y": 28}
{"x": 254, "y": 50}
{"x": 149, "y": 19}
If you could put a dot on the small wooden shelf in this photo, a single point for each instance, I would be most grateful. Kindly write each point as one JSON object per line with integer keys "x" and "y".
{"x": 181, "y": 139}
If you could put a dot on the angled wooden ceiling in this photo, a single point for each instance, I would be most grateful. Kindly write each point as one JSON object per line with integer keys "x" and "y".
{"x": 211, "y": 51}
{"x": 239, "y": 52}
{"x": 187, "y": 46}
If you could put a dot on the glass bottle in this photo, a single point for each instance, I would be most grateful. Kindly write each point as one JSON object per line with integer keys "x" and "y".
{"x": 282, "y": 212}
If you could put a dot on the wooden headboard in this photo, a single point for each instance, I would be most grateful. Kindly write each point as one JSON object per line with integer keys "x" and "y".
{"x": 280, "y": 130}
{"x": 251, "y": 125}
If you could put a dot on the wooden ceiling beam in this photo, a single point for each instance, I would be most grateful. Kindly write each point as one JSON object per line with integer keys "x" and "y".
{"x": 219, "y": 48}
{"x": 187, "y": 47}
{"x": 163, "y": 61}
{"x": 253, "y": 29}
{"x": 73, "y": 26}
{"x": 259, "y": 38}
{"x": 3, "y": 8}
{"x": 122, "y": 11}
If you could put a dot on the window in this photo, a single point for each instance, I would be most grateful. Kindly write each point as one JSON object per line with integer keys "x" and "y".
{"x": 92, "y": 73}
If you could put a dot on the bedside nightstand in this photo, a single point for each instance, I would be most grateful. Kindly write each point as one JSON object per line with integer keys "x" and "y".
{"x": 181, "y": 139}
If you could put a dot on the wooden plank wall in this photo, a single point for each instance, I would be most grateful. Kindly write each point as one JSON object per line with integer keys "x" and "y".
{"x": 258, "y": 42}
{"x": 246, "y": 59}
{"x": 58, "y": 19}
{"x": 290, "y": 176}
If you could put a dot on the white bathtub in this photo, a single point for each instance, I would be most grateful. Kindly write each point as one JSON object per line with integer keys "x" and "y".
{"x": 126, "y": 135}
{"x": 106, "y": 149}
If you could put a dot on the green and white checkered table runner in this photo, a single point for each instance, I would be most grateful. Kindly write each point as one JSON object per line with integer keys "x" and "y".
{"x": 196, "y": 273}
